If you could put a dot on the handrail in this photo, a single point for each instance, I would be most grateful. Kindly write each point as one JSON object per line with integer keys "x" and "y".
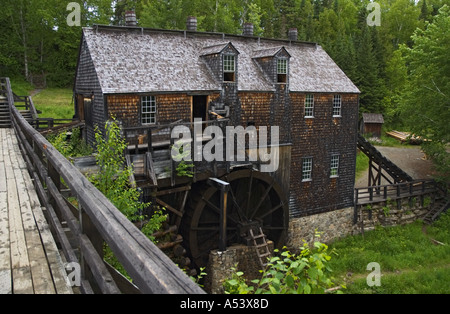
{"x": 381, "y": 193}
{"x": 95, "y": 220}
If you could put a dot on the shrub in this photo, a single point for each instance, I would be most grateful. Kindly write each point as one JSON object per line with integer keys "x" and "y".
{"x": 305, "y": 273}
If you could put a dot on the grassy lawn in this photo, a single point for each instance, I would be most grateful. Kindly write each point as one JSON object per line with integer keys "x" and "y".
{"x": 362, "y": 164}
{"x": 411, "y": 262}
{"x": 55, "y": 103}
{"x": 52, "y": 102}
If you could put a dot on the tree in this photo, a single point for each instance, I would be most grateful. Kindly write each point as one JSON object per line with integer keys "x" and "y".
{"x": 367, "y": 77}
{"x": 426, "y": 102}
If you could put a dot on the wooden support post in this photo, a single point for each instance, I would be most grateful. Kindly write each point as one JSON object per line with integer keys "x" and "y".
{"x": 150, "y": 141}
{"x": 224, "y": 188}
{"x": 355, "y": 214}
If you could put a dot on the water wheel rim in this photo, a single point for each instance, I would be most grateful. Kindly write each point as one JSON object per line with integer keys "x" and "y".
{"x": 201, "y": 231}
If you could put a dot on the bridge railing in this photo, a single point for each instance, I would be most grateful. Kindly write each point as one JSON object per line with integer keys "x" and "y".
{"x": 83, "y": 229}
{"x": 393, "y": 192}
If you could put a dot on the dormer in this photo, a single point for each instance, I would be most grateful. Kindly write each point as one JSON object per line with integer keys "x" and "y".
{"x": 274, "y": 63}
{"x": 222, "y": 61}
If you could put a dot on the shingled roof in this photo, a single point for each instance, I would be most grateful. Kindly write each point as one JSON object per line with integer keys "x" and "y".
{"x": 376, "y": 118}
{"x": 137, "y": 60}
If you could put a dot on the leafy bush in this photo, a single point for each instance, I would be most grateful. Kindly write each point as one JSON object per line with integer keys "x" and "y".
{"x": 70, "y": 147}
{"x": 113, "y": 178}
{"x": 305, "y": 273}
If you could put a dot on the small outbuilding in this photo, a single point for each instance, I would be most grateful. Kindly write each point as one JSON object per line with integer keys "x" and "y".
{"x": 371, "y": 124}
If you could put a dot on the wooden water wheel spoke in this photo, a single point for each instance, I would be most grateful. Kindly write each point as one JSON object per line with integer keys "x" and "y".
{"x": 262, "y": 199}
{"x": 273, "y": 228}
{"x": 271, "y": 211}
{"x": 215, "y": 208}
{"x": 254, "y": 199}
{"x": 249, "y": 193}
{"x": 240, "y": 214}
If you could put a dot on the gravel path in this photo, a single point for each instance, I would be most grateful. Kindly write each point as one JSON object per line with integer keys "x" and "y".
{"x": 411, "y": 159}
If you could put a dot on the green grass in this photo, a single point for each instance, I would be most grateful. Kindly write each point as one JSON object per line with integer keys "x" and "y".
{"x": 410, "y": 262}
{"x": 20, "y": 87}
{"x": 55, "y": 103}
{"x": 430, "y": 280}
{"x": 362, "y": 164}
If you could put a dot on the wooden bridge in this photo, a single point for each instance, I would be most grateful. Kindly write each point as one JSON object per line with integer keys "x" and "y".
{"x": 29, "y": 258}
{"x": 401, "y": 186}
{"x": 51, "y": 217}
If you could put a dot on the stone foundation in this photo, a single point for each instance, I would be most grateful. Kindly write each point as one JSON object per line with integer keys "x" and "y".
{"x": 332, "y": 225}
{"x": 220, "y": 265}
{"x": 391, "y": 213}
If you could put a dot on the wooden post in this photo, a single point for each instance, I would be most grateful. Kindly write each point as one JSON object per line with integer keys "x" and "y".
{"x": 150, "y": 141}
{"x": 355, "y": 215}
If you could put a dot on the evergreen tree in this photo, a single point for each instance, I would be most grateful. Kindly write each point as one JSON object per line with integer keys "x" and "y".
{"x": 427, "y": 98}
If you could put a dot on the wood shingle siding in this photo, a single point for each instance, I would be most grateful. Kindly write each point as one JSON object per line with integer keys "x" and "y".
{"x": 184, "y": 72}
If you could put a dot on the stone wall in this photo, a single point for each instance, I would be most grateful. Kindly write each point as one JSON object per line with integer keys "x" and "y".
{"x": 220, "y": 266}
{"x": 393, "y": 213}
{"x": 332, "y": 225}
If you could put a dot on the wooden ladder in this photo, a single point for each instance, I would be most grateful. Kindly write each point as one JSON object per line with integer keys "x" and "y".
{"x": 261, "y": 246}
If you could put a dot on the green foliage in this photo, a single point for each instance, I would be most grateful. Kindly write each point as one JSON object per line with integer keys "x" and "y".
{"x": 74, "y": 147}
{"x": 199, "y": 277}
{"x": 237, "y": 283}
{"x": 308, "y": 272}
{"x": 113, "y": 178}
{"x": 427, "y": 98}
{"x": 154, "y": 224}
{"x": 184, "y": 166}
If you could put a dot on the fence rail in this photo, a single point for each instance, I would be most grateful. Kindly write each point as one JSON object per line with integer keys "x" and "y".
{"x": 84, "y": 228}
{"x": 382, "y": 193}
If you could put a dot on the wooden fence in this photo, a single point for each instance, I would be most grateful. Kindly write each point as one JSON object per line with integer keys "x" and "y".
{"x": 83, "y": 229}
{"x": 394, "y": 193}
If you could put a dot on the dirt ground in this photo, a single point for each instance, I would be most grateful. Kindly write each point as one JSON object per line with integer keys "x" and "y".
{"x": 410, "y": 159}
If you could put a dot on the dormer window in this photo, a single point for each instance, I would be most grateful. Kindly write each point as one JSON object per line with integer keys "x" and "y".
{"x": 229, "y": 68}
{"x": 222, "y": 61}
{"x": 282, "y": 70}
{"x": 274, "y": 63}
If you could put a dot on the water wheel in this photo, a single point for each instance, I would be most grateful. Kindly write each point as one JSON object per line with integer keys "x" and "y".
{"x": 255, "y": 200}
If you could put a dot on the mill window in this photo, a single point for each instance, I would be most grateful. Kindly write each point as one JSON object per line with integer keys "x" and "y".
{"x": 337, "y": 106}
{"x": 229, "y": 68}
{"x": 148, "y": 110}
{"x": 334, "y": 166}
{"x": 309, "y": 106}
{"x": 307, "y": 169}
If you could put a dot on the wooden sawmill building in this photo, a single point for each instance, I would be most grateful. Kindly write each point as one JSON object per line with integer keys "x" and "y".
{"x": 150, "y": 77}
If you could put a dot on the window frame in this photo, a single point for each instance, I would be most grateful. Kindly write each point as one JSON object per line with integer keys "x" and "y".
{"x": 282, "y": 70}
{"x": 307, "y": 169}
{"x": 337, "y": 106}
{"x": 309, "y": 105}
{"x": 148, "y": 102}
{"x": 229, "y": 75}
{"x": 335, "y": 164}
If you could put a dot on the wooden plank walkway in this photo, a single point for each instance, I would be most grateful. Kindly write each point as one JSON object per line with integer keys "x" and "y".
{"x": 30, "y": 262}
